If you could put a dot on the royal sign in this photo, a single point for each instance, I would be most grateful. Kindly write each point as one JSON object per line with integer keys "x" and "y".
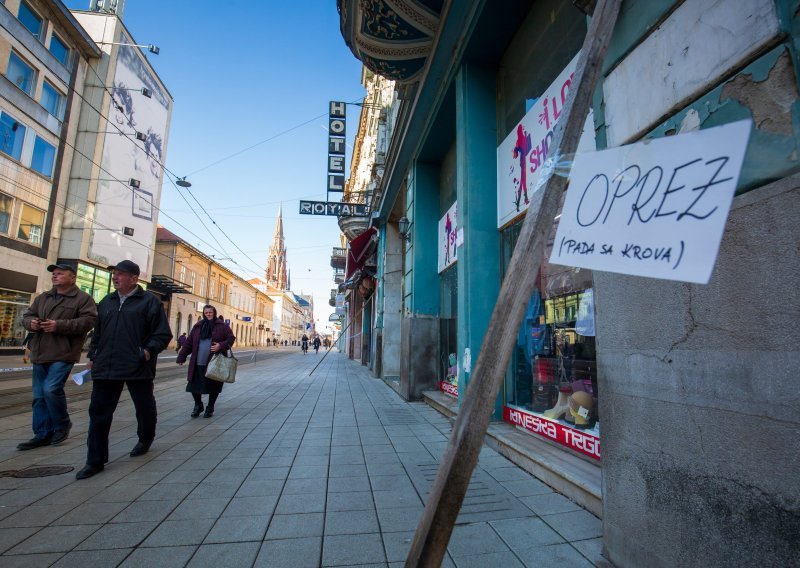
{"x": 333, "y": 209}
{"x": 579, "y": 440}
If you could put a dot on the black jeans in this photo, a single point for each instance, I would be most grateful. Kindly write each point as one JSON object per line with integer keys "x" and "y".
{"x": 105, "y": 396}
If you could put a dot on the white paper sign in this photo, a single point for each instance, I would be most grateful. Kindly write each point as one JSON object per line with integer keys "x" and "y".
{"x": 655, "y": 208}
{"x": 446, "y": 243}
{"x": 521, "y": 156}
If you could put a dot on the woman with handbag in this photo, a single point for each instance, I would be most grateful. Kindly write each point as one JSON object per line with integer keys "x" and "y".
{"x": 208, "y": 337}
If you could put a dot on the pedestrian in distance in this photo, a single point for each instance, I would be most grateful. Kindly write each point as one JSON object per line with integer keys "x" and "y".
{"x": 304, "y": 344}
{"x": 208, "y": 337}
{"x": 131, "y": 331}
{"x": 180, "y": 342}
{"x": 317, "y": 343}
{"x": 58, "y": 321}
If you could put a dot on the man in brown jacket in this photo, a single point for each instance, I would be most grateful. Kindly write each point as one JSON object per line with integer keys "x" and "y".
{"x": 58, "y": 320}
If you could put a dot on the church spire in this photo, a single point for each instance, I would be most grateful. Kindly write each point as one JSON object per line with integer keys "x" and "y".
{"x": 277, "y": 271}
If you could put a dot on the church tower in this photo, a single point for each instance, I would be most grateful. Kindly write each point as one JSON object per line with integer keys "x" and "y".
{"x": 277, "y": 271}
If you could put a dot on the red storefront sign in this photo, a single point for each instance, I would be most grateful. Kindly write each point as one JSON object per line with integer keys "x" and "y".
{"x": 573, "y": 438}
{"x": 448, "y": 388}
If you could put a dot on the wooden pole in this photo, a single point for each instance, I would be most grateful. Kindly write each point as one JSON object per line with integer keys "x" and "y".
{"x": 461, "y": 455}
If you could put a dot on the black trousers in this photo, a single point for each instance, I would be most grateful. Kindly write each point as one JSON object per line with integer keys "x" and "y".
{"x": 105, "y": 397}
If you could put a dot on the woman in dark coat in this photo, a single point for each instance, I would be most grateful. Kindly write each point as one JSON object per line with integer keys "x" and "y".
{"x": 207, "y": 337}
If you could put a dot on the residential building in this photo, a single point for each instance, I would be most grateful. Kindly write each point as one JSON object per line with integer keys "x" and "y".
{"x": 355, "y": 270}
{"x": 698, "y": 423}
{"x": 44, "y": 56}
{"x": 190, "y": 279}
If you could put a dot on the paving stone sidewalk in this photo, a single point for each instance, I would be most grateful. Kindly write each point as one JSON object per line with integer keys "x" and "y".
{"x": 293, "y": 470}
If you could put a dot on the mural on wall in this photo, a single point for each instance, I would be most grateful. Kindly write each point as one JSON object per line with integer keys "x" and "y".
{"x": 130, "y": 207}
{"x": 446, "y": 242}
{"x": 521, "y": 156}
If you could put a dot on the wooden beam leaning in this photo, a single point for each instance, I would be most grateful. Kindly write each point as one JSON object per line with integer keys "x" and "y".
{"x": 461, "y": 455}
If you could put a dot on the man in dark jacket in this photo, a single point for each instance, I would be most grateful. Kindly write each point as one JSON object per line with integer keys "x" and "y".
{"x": 131, "y": 331}
{"x": 58, "y": 321}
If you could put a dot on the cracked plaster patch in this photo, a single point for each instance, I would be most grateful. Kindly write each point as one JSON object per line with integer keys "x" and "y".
{"x": 770, "y": 101}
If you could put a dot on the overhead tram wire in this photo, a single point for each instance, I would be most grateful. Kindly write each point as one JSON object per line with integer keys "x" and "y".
{"x": 167, "y": 170}
{"x": 11, "y": 181}
{"x": 173, "y": 174}
{"x": 163, "y": 167}
{"x": 269, "y": 139}
{"x": 79, "y": 214}
{"x": 203, "y": 209}
{"x": 126, "y": 186}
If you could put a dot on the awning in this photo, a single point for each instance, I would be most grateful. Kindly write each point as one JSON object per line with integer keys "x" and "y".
{"x": 166, "y": 285}
{"x": 361, "y": 248}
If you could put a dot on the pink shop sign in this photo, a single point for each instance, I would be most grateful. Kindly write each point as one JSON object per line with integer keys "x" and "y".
{"x": 521, "y": 156}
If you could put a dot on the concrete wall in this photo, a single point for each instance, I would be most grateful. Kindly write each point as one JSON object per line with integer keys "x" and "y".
{"x": 392, "y": 302}
{"x": 700, "y": 400}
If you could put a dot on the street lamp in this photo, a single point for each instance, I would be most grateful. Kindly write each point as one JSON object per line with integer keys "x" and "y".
{"x": 182, "y": 182}
{"x": 141, "y": 136}
{"x": 154, "y": 49}
{"x": 403, "y": 226}
{"x": 144, "y": 90}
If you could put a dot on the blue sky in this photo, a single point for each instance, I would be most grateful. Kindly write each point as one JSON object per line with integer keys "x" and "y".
{"x": 240, "y": 73}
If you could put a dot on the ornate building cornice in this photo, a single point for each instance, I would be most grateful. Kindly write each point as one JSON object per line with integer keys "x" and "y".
{"x": 393, "y": 38}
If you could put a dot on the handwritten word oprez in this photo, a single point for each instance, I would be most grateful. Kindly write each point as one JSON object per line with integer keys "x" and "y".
{"x": 656, "y": 208}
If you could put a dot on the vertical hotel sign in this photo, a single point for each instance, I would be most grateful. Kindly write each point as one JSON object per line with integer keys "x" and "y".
{"x": 337, "y": 119}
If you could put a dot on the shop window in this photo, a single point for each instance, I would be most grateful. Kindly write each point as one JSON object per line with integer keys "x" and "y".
{"x": 85, "y": 278}
{"x": 31, "y": 224}
{"x": 30, "y": 19}
{"x": 102, "y": 284}
{"x": 12, "y": 136}
{"x": 59, "y": 49}
{"x": 12, "y": 306}
{"x": 6, "y": 209}
{"x": 52, "y": 100}
{"x": 448, "y": 325}
{"x": 20, "y": 73}
{"x": 44, "y": 155}
{"x": 551, "y": 384}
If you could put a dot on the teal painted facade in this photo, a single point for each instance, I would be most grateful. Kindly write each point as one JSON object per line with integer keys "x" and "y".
{"x": 422, "y": 213}
{"x": 773, "y": 150}
{"x": 478, "y": 258}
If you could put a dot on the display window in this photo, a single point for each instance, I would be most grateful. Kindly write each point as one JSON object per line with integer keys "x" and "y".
{"x": 448, "y": 313}
{"x": 12, "y": 306}
{"x": 94, "y": 281}
{"x": 551, "y": 383}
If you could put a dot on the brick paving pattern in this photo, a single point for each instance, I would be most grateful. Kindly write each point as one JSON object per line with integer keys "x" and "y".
{"x": 293, "y": 470}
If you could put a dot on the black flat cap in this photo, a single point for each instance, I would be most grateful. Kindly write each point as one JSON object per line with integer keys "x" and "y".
{"x": 126, "y": 266}
{"x": 61, "y": 266}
